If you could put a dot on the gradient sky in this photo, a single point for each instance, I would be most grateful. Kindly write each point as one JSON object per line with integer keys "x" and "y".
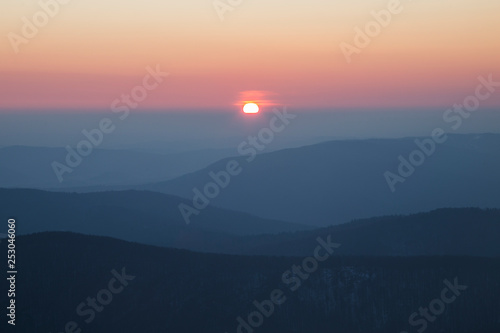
{"x": 286, "y": 51}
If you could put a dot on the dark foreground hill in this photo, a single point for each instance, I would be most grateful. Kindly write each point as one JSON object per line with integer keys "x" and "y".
{"x": 452, "y": 231}
{"x": 68, "y": 282}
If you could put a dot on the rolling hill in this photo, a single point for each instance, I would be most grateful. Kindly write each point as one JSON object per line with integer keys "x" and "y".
{"x": 146, "y": 217}
{"x": 457, "y": 232}
{"x": 154, "y": 218}
{"x": 338, "y": 181}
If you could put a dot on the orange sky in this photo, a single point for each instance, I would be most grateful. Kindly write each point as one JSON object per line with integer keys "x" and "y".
{"x": 90, "y": 53}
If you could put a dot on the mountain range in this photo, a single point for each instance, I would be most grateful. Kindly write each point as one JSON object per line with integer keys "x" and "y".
{"x": 154, "y": 218}
{"x": 337, "y": 181}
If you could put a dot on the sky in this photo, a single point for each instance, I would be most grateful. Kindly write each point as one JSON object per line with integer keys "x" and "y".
{"x": 275, "y": 52}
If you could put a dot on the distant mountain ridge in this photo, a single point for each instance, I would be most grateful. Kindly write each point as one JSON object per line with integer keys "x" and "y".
{"x": 31, "y": 167}
{"x": 338, "y": 181}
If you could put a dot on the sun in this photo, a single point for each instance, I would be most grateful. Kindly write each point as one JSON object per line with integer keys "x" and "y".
{"x": 251, "y": 108}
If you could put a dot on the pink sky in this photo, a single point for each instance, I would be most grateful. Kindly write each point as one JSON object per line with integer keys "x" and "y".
{"x": 90, "y": 53}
